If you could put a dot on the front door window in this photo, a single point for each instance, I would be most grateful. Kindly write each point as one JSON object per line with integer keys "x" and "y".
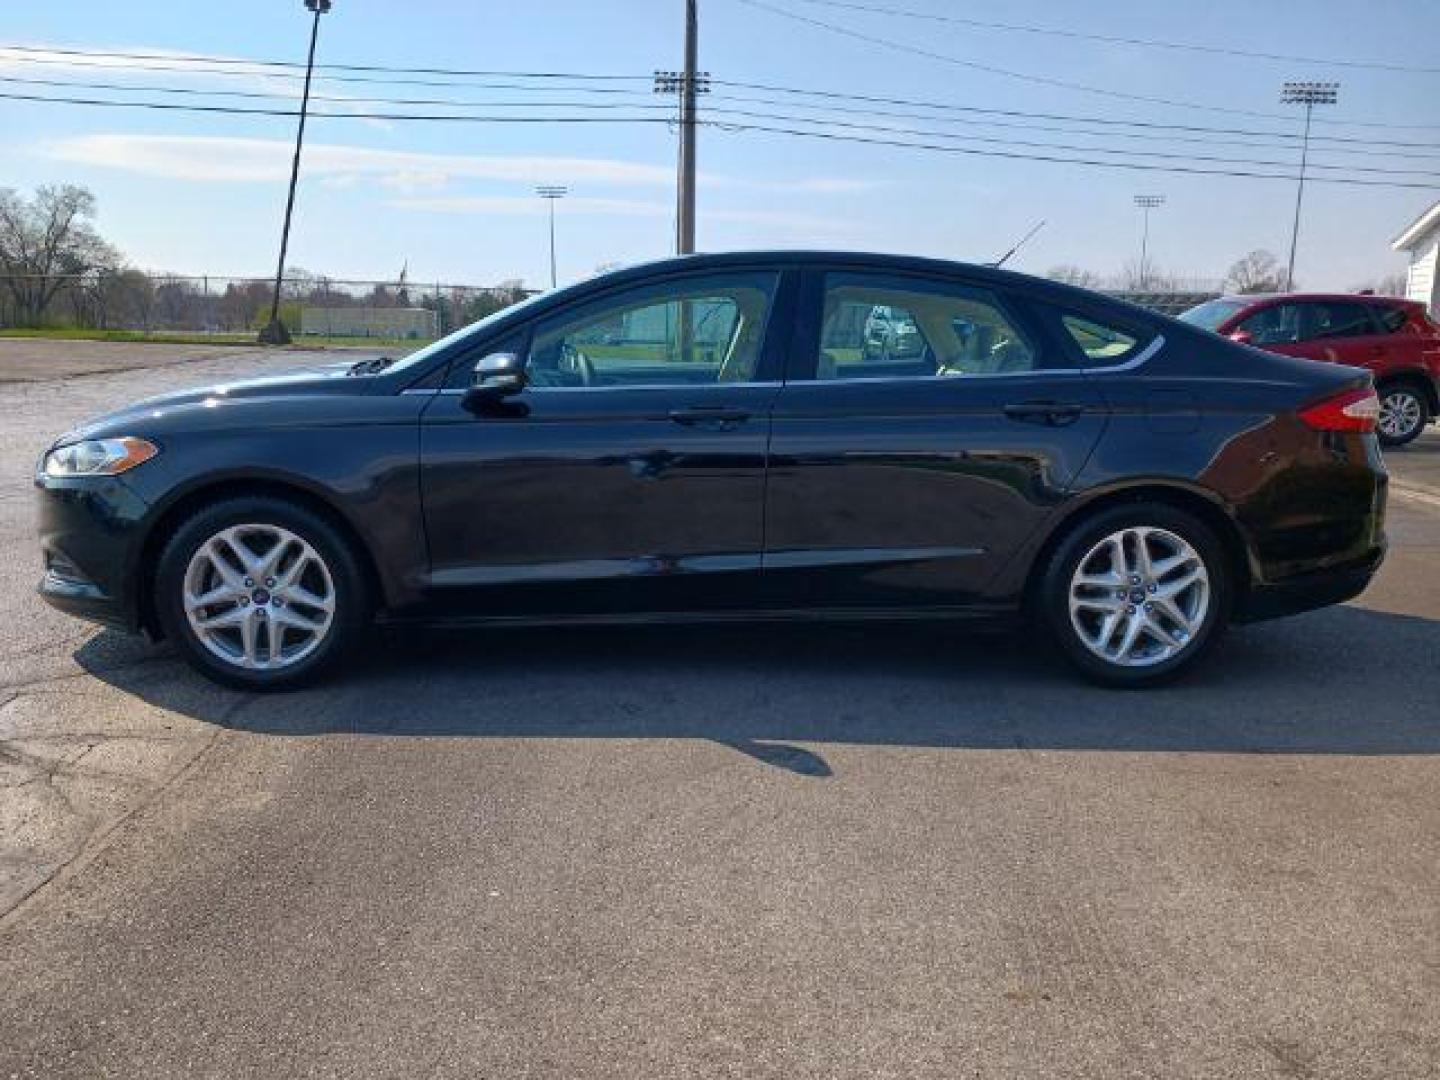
{"x": 687, "y": 332}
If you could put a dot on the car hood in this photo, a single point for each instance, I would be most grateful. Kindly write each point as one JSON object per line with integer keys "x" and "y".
{"x": 162, "y": 410}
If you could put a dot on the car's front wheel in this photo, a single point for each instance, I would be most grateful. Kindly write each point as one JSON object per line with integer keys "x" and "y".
{"x": 1404, "y": 412}
{"x": 260, "y": 593}
{"x": 1136, "y": 594}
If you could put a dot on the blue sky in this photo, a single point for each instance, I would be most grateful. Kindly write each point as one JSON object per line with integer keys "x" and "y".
{"x": 194, "y": 193}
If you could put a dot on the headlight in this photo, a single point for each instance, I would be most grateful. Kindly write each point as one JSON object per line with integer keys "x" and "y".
{"x": 99, "y": 457}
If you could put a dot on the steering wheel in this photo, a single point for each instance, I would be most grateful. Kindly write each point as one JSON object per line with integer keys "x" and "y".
{"x": 574, "y": 362}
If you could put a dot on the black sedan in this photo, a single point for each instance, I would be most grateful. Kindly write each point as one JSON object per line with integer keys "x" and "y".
{"x": 716, "y": 438}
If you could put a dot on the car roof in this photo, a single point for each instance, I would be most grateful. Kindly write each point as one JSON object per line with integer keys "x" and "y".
{"x": 794, "y": 256}
{"x": 871, "y": 260}
{"x": 1250, "y": 299}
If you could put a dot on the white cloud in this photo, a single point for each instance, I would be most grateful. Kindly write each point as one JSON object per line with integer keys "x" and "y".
{"x": 519, "y": 204}
{"x": 223, "y": 159}
{"x": 241, "y": 160}
{"x": 507, "y": 205}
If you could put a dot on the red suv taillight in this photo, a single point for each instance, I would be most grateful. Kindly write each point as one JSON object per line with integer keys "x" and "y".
{"x": 1354, "y": 410}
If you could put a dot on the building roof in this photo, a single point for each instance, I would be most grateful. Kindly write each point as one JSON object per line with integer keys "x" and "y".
{"x": 1423, "y": 225}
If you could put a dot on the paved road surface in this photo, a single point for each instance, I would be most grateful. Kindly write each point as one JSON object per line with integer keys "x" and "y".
{"x": 879, "y": 852}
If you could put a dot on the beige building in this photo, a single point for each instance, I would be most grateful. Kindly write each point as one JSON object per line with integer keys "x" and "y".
{"x": 373, "y": 322}
{"x": 1421, "y": 242}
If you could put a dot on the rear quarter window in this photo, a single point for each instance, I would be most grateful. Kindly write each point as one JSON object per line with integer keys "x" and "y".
{"x": 1097, "y": 338}
{"x": 1391, "y": 318}
{"x": 1100, "y": 343}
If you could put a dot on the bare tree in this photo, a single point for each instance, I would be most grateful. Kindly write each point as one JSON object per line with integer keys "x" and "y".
{"x": 1392, "y": 284}
{"x": 1138, "y": 277}
{"x": 1068, "y": 274}
{"x": 45, "y": 243}
{"x": 1257, "y": 272}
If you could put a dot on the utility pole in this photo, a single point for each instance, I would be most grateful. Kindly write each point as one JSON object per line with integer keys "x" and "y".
{"x": 688, "y": 84}
{"x": 552, "y": 193}
{"x": 685, "y": 212}
{"x": 1146, "y": 204}
{"x": 1308, "y": 94}
{"x": 275, "y": 332}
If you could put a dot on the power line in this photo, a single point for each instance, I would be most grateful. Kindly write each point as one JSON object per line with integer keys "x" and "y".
{"x": 238, "y": 110}
{"x": 342, "y": 98}
{"x": 246, "y": 68}
{"x": 361, "y": 79}
{"x": 1113, "y": 39}
{"x": 837, "y": 95}
{"x": 1157, "y": 154}
{"x": 723, "y": 110}
{"x": 530, "y": 87}
{"x": 1345, "y": 144}
{"x": 649, "y": 107}
{"x": 720, "y": 125}
{"x": 1126, "y": 165}
{"x": 1291, "y": 142}
{"x": 241, "y": 62}
{"x": 719, "y": 111}
{"x": 1043, "y": 80}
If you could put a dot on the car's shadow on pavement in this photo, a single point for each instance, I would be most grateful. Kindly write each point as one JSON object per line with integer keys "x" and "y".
{"x": 1342, "y": 681}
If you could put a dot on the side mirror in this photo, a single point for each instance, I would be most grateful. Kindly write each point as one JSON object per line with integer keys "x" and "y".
{"x": 496, "y": 376}
{"x": 1243, "y": 337}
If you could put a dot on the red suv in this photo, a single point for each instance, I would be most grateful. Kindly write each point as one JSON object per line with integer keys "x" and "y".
{"x": 1393, "y": 338}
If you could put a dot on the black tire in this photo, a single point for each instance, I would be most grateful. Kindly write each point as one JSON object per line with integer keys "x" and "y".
{"x": 350, "y": 593}
{"x": 1403, "y": 399}
{"x": 1052, "y": 606}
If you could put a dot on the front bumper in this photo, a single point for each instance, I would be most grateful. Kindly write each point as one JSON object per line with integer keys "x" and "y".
{"x": 90, "y": 537}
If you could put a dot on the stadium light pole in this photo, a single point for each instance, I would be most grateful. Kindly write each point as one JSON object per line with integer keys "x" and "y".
{"x": 1308, "y": 94}
{"x": 1146, "y": 203}
{"x": 552, "y": 193}
{"x": 275, "y": 332}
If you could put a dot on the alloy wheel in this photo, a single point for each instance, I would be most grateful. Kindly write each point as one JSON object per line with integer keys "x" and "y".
{"x": 259, "y": 597}
{"x": 1401, "y": 412}
{"x": 1139, "y": 597}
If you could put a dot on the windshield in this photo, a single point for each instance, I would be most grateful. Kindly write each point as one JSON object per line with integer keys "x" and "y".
{"x": 1211, "y": 314}
{"x": 419, "y": 356}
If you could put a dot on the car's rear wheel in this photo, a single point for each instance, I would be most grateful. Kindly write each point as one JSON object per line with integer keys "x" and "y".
{"x": 1404, "y": 412}
{"x": 260, "y": 593}
{"x": 1136, "y": 594}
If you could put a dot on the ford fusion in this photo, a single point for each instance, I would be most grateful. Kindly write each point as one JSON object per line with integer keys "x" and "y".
{"x": 734, "y": 437}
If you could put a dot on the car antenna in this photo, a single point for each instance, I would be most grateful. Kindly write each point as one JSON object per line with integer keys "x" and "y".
{"x": 998, "y": 263}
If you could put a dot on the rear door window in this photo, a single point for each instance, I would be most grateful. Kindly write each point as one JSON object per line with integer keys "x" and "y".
{"x": 1328, "y": 319}
{"x": 898, "y": 327}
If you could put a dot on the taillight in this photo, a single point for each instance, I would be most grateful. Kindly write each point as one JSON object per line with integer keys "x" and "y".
{"x": 1354, "y": 410}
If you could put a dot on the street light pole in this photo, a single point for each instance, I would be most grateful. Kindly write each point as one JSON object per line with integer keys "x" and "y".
{"x": 552, "y": 193}
{"x": 275, "y": 332}
{"x": 1146, "y": 204}
{"x": 1308, "y": 94}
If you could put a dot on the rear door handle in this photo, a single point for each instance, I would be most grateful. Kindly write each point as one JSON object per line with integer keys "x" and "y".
{"x": 709, "y": 414}
{"x": 1052, "y": 413}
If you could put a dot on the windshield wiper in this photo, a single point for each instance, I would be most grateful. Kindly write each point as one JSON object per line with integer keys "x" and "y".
{"x": 373, "y": 366}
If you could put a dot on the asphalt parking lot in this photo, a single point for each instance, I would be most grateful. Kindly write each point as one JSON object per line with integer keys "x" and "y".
{"x": 779, "y": 852}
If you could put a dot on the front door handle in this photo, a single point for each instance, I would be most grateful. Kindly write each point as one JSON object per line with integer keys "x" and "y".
{"x": 708, "y": 414}
{"x": 1050, "y": 413}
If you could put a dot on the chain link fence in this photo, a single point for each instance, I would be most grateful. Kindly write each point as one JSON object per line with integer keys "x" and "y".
{"x": 319, "y": 307}
{"x": 147, "y": 303}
